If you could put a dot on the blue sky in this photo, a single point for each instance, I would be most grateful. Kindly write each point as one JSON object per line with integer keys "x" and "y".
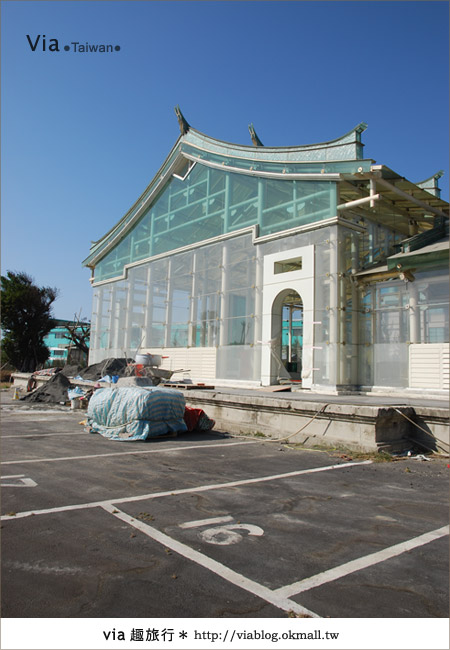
{"x": 84, "y": 133}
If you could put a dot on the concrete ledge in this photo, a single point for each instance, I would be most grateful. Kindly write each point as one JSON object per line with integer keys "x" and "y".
{"x": 362, "y": 428}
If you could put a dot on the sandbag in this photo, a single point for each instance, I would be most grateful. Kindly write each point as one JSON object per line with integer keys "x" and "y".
{"x": 135, "y": 413}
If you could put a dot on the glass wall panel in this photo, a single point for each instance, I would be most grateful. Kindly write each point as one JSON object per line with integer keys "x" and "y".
{"x": 433, "y": 301}
{"x": 206, "y": 333}
{"x": 240, "y": 275}
{"x": 239, "y": 331}
{"x": 211, "y": 202}
{"x": 365, "y": 339}
{"x": 245, "y": 366}
{"x": 376, "y": 243}
{"x": 385, "y": 332}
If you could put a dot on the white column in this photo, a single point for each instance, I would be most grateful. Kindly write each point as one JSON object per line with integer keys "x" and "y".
{"x": 258, "y": 294}
{"x": 193, "y": 304}
{"x": 355, "y": 310}
{"x": 342, "y": 299}
{"x": 148, "y": 314}
{"x": 289, "y": 334}
{"x": 112, "y": 313}
{"x": 224, "y": 297}
{"x": 115, "y": 321}
{"x": 129, "y": 317}
{"x": 333, "y": 308}
{"x": 414, "y": 313}
{"x": 96, "y": 322}
{"x": 168, "y": 317}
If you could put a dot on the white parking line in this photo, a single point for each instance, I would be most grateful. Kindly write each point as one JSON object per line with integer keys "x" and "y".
{"x": 20, "y": 480}
{"x": 206, "y": 522}
{"x": 123, "y": 453}
{"x": 212, "y": 565}
{"x": 45, "y": 435}
{"x": 200, "y": 488}
{"x": 361, "y": 563}
{"x": 36, "y": 413}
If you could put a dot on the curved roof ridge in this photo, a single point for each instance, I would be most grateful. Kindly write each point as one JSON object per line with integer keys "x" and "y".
{"x": 435, "y": 177}
{"x": 358, "y": 129}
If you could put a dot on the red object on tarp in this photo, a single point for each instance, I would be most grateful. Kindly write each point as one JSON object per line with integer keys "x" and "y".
{"x": 139, "y": 370}
{"x": 197, "y": 419}
{"x": 191, "y": 417}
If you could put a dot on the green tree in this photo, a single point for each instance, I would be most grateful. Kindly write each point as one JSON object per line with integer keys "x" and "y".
{"x": 25, "y": 319}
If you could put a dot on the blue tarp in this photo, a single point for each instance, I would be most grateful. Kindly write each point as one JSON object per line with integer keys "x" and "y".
{"x": 134, "y": 413}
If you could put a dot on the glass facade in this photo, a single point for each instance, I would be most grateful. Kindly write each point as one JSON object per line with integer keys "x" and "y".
{"x": 394, "y": 315}
{"x": 210, "y": 298}
{"x": 188, "y": 274}
{"x": 211, "y": 202}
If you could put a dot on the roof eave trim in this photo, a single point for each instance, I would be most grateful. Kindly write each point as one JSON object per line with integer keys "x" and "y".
{"x": 358, "y": 129}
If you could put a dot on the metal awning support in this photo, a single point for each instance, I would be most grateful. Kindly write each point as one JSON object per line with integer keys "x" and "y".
{"x": 381, "y": 274}
{"x": 409, "y": 197}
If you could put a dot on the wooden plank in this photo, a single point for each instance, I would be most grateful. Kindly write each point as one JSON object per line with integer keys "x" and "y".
{"x": 187, "y": 386}
{"x": 274, "y": 389}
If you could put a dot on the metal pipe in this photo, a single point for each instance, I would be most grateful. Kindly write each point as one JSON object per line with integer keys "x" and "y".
{"x": 365, "y": 199}
{"x": 373, "y": 194}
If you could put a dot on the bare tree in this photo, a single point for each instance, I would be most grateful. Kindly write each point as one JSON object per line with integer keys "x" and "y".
{"x": 79, "y": 333}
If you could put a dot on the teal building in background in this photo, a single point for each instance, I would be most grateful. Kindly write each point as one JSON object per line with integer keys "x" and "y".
{"x": 60, "y": 344}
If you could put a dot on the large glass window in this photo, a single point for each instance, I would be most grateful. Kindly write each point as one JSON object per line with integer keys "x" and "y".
{"x": 212, "y": 202}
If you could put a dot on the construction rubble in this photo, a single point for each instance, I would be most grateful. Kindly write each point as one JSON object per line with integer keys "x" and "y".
{"x": 123, "y": 399}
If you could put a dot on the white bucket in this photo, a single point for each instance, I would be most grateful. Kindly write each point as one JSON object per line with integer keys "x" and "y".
{"x": 148, "y": 359}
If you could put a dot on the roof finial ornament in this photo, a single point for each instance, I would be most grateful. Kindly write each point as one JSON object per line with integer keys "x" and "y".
{"x": 256, "y": 141}
{"x": 184, "y": 126}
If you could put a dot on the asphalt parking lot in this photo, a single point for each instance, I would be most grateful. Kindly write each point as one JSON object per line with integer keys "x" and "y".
{"x": 209, "y": 525}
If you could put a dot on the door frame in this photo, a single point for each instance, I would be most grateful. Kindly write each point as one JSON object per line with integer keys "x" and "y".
{"x": 275, "y": 283}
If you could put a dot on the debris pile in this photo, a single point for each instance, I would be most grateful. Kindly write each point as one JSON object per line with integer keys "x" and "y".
{"x": 54, "y": 391}
{"x": 110, "y": 367}
{"x": 125, "y": 412}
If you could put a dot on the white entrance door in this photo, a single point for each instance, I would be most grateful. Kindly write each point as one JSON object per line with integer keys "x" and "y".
{"x": 288, "y": 286}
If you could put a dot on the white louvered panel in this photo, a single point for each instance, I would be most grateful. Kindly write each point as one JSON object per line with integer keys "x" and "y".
{"x": 445, "y": 367}
{"x": 429, "y": 365}
{"x": 200, "y": 362}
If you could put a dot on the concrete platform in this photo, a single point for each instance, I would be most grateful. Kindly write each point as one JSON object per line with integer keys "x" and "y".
{"x": 365, "y": 423}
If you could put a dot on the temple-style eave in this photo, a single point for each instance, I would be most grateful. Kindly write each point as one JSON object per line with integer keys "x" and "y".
{"x": 232, "y": 150}
{"x": 291, "y": 154}
{"x": 434, "y": 177}
{"x": 362, "y": 126}
{"x": 413, "y": 197}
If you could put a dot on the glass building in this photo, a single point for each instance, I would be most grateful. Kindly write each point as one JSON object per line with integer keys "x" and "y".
{"x": 254, "y": 265}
